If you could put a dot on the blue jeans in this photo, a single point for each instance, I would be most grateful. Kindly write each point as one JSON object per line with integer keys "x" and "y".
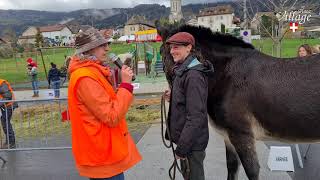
{"x": 117, "y": 177}
{"x": 55, "y": 85}
{"x": 35, "y": 87}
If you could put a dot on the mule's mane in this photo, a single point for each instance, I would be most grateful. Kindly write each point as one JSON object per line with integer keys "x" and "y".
{"x": 203, "y": 34}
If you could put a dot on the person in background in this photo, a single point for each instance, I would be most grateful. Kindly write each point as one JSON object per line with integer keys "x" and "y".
{"x": 7, "y": 108}
{"x": 304, "y": 50}
{"x": 32, "y": 62}
{"x": 33, "y": 73}
{"x": 316, "y": 49}
{"x": 64, "y": 69}
{"x": 54, "y": 79}
{"x": 101, "y": 143}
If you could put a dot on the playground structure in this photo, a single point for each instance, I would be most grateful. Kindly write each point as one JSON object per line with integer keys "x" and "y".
{"x": 147, "y": 53}
{"x": 151, "y": 58}
{"x": 150, "y": 35}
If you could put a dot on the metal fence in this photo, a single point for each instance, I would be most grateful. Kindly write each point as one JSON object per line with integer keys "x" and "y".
{"x": 37, "y": 125}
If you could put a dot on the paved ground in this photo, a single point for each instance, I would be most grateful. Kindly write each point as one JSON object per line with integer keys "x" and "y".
{"x": 44, "y": 84}
{"x": 157, "y": 159}
{"x": 59, "y": 164}
{"x": 311, "y": 170}
{"x": 47, "y": 164}
{"x": 39, "y": 165}
{"x": 144, "y": 88}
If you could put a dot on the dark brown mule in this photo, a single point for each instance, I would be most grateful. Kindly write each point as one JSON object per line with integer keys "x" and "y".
{"x": 254, "y": 96}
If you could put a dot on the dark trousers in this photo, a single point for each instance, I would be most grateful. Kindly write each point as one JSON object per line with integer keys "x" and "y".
{"x": 195, "y": 160}
{"x": 117, "y": 177}
{"x": 6, "y": 125}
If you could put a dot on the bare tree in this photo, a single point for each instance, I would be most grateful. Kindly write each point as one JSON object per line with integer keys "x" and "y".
{"x": 11, "y": 37}
{"x": 279, "y": 25}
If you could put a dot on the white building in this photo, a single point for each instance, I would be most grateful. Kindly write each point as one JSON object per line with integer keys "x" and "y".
{"x": 137, "y": 23}
{"x": 192, "y": 22}
{"x": 58, "y": 33}
{"x": 28, "y": 36}
{"x": 215, "y": 17}
{"x": 175, "y": 11}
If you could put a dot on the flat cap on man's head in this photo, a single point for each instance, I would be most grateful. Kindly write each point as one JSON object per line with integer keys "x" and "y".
{"x": 183, "y": 38}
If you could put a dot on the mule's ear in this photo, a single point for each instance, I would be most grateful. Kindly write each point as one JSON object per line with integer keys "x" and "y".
{"x": 157, "y": 24}
{"x": 163, "y": 32}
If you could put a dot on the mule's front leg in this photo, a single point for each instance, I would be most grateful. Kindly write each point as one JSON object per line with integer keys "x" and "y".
{"x": 245, "y": 147}
{"x": 232, "y": 161}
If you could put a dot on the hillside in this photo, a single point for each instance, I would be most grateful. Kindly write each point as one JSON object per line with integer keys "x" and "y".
{"x": 19, "y": 20}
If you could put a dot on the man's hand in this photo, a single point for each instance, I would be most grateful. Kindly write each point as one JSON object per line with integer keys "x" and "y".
{"x": 178, "y": 157}
{"x": 167, "y": 94}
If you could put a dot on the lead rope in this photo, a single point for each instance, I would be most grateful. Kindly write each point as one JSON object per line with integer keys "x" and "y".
{"x": 173, "y": 168}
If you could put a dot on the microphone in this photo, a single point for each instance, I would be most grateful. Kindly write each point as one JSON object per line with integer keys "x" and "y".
{"x": 116, "y": 60}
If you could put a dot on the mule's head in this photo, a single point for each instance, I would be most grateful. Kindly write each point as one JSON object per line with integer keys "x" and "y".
{"x": 167, "y": 59}
{"x": 217, "y": 48}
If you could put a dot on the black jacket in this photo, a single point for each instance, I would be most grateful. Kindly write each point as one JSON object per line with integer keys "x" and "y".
{"x": 188, "y": 119}
{"x": 54, "y": 75}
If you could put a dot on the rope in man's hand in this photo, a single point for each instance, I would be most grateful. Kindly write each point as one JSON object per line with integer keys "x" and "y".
{"x": 173, "y": 168}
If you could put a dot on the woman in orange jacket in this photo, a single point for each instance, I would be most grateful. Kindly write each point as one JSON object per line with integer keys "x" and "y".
{"x": 101, "y": 144}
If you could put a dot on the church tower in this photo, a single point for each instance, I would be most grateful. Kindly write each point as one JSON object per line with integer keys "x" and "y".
{"x": 175, "y": 13}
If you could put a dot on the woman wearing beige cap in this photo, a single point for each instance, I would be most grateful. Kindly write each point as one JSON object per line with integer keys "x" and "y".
{"x": 101, "y": 143}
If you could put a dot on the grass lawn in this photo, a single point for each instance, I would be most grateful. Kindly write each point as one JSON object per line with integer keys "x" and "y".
{"x": 14, "y": 70}
{"x": 289, "y": 46}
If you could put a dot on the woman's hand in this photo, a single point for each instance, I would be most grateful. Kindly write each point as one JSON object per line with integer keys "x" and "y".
{"x": 126, "y": 74}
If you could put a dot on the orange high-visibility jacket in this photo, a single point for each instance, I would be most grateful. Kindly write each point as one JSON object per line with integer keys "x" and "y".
{"x": 101, "y": 144}
{"x": 11, "y": 91}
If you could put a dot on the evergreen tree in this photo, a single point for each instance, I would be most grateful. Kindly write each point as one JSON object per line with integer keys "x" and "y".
{"x": 39, "y": 39}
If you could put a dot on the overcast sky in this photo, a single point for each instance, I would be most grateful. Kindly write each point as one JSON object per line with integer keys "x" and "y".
{"x": 69, "y": 5}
